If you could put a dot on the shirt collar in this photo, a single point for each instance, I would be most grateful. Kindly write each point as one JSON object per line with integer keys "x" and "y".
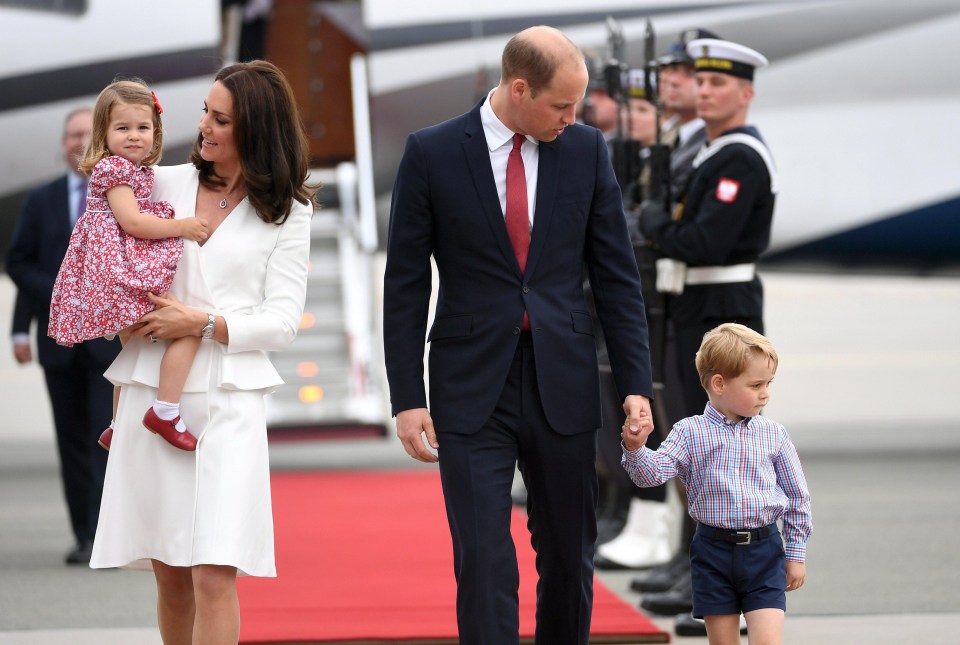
{"x": 687, "y": 129}
{"x": 712, "y": 415}
{"x": 496, "y": 133}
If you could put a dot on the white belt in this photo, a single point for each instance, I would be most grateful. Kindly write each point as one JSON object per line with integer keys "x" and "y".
{"x": 719, "y": 275}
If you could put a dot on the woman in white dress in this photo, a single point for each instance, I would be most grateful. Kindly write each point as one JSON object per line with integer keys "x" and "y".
{"x": 197, "y": 519}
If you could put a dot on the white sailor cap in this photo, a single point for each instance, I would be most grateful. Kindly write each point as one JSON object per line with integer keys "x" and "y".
{"x": 712, "y": 55}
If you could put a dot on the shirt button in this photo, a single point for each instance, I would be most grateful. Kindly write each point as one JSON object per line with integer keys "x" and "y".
{"x": 516, "y": 331}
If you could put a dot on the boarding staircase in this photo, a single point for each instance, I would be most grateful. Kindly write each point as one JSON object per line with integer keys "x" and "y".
{"x": 332, "y": 374}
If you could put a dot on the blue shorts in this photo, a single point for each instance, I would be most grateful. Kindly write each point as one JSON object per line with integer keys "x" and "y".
{"x": 731, "y": 578}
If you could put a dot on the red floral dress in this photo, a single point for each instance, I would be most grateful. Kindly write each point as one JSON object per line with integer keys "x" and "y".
{"x": 103, "y": 282}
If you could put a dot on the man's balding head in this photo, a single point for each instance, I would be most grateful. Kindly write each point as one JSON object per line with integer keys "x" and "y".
{"x": 544, "y": 78}
{"x": 535, "y": 54}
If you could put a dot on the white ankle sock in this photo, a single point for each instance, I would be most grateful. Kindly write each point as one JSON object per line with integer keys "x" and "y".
{"x": 168, "y": 412}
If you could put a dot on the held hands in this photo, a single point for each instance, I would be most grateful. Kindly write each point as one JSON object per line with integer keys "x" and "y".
{"x": 193, "y": 229}
{"x": 796, "y": 574}
{"x": 639, "y": 422}
{"x": 411, "y": 424}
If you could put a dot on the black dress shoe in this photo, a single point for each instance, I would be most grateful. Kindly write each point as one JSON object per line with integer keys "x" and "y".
{"x": 80, "y": 554}
{"x": 664, "y": 576}
{"x": 687, "y": 625}
{"x": 677, "y": 600}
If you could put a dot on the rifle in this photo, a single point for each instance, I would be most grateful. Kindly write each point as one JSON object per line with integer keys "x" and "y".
{"x": 625, "y": 151}
{"x": 659, "y": 159}
{"x": 658, "y": 191}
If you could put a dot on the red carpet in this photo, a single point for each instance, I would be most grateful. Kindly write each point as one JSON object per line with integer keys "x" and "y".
{"x": 365, "y": 557}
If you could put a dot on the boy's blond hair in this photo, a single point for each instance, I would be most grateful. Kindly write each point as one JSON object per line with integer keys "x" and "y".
{"x": 728, "y": 348}
{"x": 131, "y": 91}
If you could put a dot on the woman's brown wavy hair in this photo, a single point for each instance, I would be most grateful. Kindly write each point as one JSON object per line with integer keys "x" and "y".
{"x": 270, "y": 139}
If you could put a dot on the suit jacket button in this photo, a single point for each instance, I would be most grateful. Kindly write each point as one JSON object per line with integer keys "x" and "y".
{"x": 526, "y": 289}
{"x": 516, "y": 331}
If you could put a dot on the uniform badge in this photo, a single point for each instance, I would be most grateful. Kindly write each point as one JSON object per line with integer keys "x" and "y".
{"x": 727, "y": 190}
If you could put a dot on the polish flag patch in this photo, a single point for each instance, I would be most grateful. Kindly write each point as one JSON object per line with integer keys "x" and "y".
{"x": 727, "y": 190}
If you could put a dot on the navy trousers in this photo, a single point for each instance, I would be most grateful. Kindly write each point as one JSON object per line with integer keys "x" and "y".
{"x": 560, "y": 476}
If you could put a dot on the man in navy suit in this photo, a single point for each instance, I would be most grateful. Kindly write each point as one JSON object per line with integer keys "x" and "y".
{"x": 513, "y": 366}
{"x": 81, "y": 398}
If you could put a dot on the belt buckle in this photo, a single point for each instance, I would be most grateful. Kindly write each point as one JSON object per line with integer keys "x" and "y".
{"x": 747, "y": 534}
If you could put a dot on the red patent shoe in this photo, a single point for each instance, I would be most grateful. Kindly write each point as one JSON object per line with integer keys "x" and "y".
{"x": 105, "y": 438}
{"x": 168, "y": 430}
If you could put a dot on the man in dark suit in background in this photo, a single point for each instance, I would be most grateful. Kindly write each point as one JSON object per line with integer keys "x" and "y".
{"x": 81, "y": 398}
{"x": 513, "y": 200}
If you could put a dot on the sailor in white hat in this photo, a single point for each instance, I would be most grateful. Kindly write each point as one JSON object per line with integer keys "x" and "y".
{"x": 714, "y": 55}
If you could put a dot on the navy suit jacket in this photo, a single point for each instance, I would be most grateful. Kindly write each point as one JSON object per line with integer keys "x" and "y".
{"x": 445, "y": 205}
{"x": 36, "y": 251}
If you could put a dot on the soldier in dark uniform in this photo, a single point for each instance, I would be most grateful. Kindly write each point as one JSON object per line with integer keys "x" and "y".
{"x": 713, "y": 239}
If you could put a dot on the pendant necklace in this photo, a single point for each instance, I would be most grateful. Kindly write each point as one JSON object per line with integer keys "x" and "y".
{"x": 223, "y": 202}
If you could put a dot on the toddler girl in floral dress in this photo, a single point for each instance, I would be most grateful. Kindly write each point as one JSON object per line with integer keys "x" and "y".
{"x": 124, "y": 246}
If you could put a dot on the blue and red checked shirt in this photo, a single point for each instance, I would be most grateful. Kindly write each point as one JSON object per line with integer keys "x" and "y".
{"x": 738, "y": 475}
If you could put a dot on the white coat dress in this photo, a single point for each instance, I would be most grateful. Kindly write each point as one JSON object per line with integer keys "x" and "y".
{"x": 211, "y": 506}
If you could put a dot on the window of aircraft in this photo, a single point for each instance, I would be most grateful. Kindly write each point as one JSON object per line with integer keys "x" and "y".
{"x": 60, "y": 6}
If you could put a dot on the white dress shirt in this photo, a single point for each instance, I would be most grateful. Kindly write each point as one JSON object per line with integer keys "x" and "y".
{"x": 500, "y": 143}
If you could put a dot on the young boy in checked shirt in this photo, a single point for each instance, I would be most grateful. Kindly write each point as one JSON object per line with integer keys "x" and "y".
{"x": 742, "y": 474}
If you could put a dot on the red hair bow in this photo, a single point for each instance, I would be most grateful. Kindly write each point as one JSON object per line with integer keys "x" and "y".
{"x": 156, "y": 102}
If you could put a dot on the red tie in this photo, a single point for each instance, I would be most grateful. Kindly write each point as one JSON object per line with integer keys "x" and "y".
{"x": 518, "y": 222}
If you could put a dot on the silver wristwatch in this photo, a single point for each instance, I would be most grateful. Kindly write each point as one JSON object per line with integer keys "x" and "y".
{"x": 207, "y": 331}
